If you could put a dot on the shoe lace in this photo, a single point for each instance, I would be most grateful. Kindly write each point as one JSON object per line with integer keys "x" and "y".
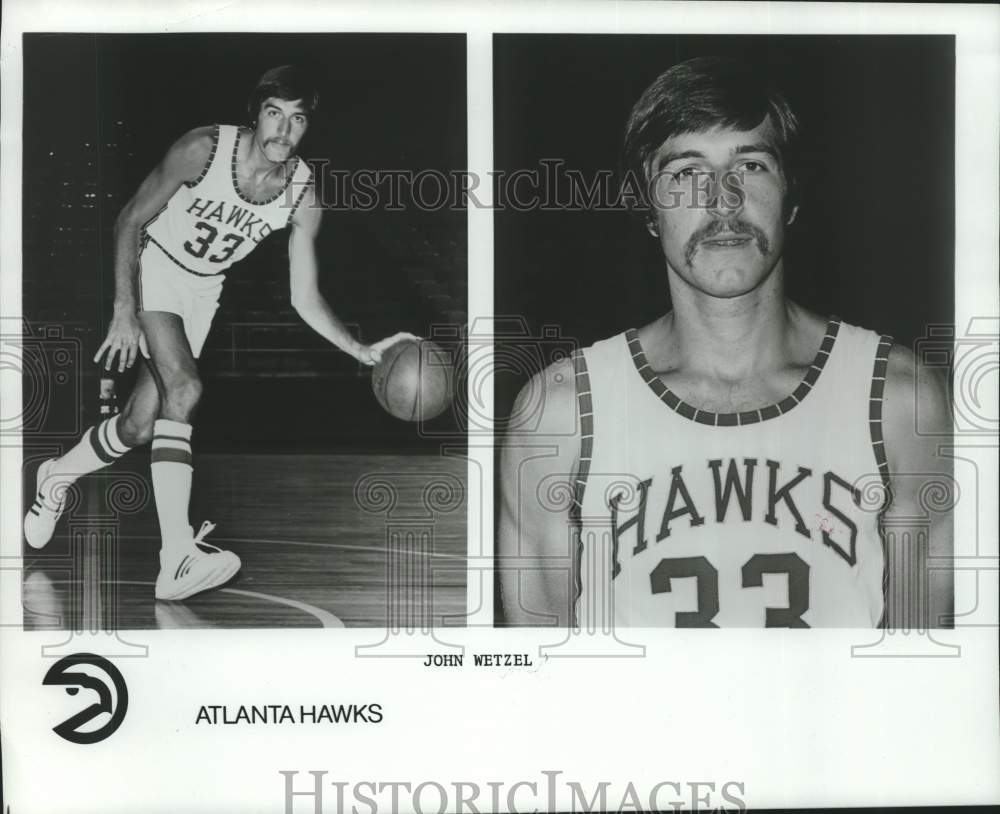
{"x": 199, "y": 539}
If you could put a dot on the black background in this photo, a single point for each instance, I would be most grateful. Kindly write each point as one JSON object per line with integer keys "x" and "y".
{"x": 101, "y": 110}
{"x": 874, "y": 239}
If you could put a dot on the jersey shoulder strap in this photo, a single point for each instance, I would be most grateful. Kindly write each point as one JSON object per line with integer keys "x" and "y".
{"x": 222, "y": 143}
{"x": 601, "y": 373}
{"x": 301, "y": 180}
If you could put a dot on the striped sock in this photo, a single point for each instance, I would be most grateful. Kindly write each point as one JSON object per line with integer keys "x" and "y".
{"x": 100, "y": 446}
{"x": 171, "y": 466}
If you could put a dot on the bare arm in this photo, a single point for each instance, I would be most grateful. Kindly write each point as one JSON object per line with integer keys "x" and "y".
{"x": 918, "y": 523}
{"x": 183, "y": 162}
{"x": 536, "y": 539}
{"x": 307, "y": 300}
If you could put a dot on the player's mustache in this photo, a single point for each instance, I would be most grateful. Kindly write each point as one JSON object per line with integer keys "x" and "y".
{"x": 729, "y": 226}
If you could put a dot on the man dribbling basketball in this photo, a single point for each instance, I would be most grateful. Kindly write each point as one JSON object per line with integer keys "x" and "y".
{"x": 216, "y": 194}
{"x": 720, "y": 451}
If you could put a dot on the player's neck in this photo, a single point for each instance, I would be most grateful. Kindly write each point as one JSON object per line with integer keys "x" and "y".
{"x": 255, "y": 166}
{"x": 260, "y": 169}
{"x": 731, "y": 338}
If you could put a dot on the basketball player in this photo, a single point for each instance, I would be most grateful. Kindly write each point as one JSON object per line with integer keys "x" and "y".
{"x": 216, "y": 194}
{"x": 733, "y": 461}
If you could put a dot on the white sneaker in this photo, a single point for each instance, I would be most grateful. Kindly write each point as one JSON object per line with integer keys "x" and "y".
{"x": 194, "y": 566}
{"x": 50, "y": 499}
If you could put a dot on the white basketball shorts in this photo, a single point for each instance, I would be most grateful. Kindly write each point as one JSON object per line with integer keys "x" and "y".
{"x": 165, "y": 286}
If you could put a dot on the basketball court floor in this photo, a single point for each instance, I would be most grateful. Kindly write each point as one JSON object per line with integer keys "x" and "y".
{"x": 326, "y": 540}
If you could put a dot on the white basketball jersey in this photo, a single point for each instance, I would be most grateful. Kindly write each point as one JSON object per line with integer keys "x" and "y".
{"x": 768, "y": 518}
{"x": 208, "y": 224}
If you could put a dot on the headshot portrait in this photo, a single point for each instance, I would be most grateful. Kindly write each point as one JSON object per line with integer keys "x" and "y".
{"x": 726, "y": 260}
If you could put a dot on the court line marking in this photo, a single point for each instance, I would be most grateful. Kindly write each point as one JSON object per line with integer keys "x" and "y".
{"x": 252, "y": 540}
{"x": 326, "y": 619}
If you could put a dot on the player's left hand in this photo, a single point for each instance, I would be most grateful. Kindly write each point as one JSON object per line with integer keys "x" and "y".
{"x": 372, "y": 354}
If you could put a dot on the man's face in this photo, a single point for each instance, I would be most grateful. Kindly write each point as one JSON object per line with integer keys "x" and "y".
{"x": 280, "y": 127}
{"x": 718, "y": 208}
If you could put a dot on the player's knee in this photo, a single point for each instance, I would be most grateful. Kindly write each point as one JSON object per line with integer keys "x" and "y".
{"x": 182, "y": 396}
{"x": 135, "y": 430}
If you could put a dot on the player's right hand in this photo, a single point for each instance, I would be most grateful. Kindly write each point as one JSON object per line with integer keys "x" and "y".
{"x": 124, "y": 339}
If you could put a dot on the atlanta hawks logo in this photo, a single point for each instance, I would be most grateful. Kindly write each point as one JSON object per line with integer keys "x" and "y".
{"x": 67, "y": 672}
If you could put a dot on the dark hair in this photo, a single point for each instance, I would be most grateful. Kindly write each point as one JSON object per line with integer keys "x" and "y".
{"x": 698, "y": 95}
{"x": 286, "y": 82}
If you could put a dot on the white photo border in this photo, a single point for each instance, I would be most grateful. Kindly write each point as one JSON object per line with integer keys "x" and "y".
{"x": 792, "y": 718}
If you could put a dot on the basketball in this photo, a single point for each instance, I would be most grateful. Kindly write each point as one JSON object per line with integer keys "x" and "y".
{"x": 413, "y": 380}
